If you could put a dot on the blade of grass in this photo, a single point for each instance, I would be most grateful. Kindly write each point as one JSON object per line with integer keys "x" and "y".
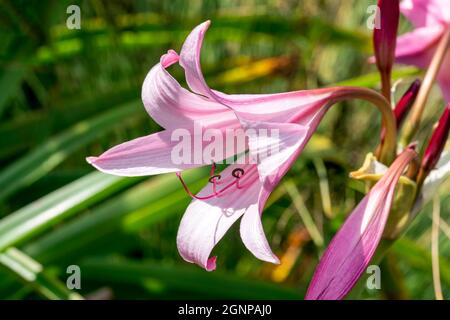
{"x": 324, "y": 187}
{"x": 61, "y": 204}
{"x": 435, "y": 247}
{"x": 304, "y": 213}
{"x": 10, "y": 80}
{"x": 420, "y": 258}
{"x": 33, "y": 274}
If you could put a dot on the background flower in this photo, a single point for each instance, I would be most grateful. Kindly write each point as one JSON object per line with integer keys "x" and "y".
{"x": 431, "y": 19}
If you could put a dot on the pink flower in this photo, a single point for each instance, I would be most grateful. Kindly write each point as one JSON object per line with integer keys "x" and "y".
{"x": 241, "y": 190}
{"x": 352, "y": 248}
{"x": 431, "y": 19}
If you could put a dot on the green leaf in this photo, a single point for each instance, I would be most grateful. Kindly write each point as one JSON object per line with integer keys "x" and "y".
{"x": 191, "y": 280}
{"x": 36, "y": 126}
{"x": 48, "y": 155}
{"x": 61, "y": 204}
{"x": 111, "y": 216}
{"x": 420, "y": 258}
{"x": 10, "y": 81}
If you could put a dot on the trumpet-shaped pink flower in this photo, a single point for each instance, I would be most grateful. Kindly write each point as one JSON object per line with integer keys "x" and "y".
{"x": 431, "y": 19}
{"x": 352, "y": 248}
{"x": 174, "y": 107}
{"x": 241, "y": 190}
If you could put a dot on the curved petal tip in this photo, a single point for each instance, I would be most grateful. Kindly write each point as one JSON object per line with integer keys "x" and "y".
{"x": 270, "y": 257}
{"x": 274, "y": 259}
{"x": 203, "y": 27}
{"x": 206, "y": 24}
{"x": 211, "y": 264}
{"x": 91, "y": 160}
{"x": 169, "y": 58}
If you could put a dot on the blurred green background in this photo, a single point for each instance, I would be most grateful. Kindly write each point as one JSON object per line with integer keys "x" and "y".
{"x": 67, "y": 94}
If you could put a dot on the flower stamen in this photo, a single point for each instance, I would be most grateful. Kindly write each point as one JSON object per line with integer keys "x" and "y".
{"x": 237, "y": 173}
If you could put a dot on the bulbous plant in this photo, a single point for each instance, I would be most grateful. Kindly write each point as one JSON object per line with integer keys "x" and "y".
{"x": 243, "y": 188}
{"x": 397, "y": 187}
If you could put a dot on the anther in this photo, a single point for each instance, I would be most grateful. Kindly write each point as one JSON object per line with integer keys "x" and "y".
{"x": 214, "y": 178}
{"x": 238, "y": 173}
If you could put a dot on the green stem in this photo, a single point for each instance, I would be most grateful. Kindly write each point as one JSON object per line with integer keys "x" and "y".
{"x": 386, "y": 85}
{"x": 389, "y": 149}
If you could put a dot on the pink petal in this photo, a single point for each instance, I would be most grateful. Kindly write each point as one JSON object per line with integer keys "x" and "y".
{"x": 273, "y": 144}
{"x": 143, "y": 156}
{"x": 277, "y": 150}
{"x": 297, "y": 106}
{"x": 352, "y": 248}
{"x": 300, "y": 107}
{"x": 169, "y": 58}
{"x": 190, "y": 60}
{"x": 417, "y": 47}
{"x": 444, "y": 78}
{"x": 172, "y": 106}
{"x": 426, "y": 12}
{"x": 206, "y": 221}
{"x": 253, "y": 236}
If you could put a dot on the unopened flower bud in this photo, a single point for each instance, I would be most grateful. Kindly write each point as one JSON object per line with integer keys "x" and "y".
{"x": 385, "y": 37}
{"x": 404, "y": 104}
{"x": 435, "y": 146}
{"x": 385, "y": 40}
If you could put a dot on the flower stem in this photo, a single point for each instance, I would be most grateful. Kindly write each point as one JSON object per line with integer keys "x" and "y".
{"x": 389, "y": 149}
{"x": 386, "y": 85}
{"x": 412, "y": 125}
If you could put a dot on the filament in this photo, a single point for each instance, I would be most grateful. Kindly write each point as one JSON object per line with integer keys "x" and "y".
{"x": 214, "y": 178}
